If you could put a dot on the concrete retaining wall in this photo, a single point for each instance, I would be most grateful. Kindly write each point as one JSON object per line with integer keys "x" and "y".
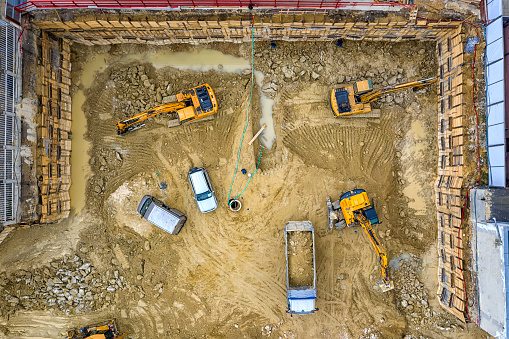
{"x": 288, "y": 27}
{"x": 54, "y": 143}
{"x": 451, "y": 129}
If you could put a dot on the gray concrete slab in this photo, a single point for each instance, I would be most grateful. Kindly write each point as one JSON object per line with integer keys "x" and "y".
{"x": 491, "y": 270}
{"x": 477, "y": 212}
{"x": 490, "y": 264}
{"x": 497, "y": 204}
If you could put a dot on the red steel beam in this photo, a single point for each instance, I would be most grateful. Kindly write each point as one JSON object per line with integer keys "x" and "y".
{"x": 307, "y": 4}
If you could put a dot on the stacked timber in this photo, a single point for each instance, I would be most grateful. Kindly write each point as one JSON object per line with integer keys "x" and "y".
{"x": 451, "y": 286}
{"x": 54, "y": 146}
{"x": 294, "y": 26}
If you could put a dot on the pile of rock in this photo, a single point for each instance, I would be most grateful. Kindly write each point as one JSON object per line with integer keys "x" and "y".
{"x": 108, "y": 162}
{"x": 137, "y": 92}
{"x": 69, "y": 285}
{"x": 280, "y": 70}
{"x": 411, "y": 295}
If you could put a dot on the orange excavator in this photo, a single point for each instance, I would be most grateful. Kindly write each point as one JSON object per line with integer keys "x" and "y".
{"x": 108, "y": 331}
{"x": 185, "y": 107}
{"x": 357, "y": 211}
{"x": 357, "y": 98}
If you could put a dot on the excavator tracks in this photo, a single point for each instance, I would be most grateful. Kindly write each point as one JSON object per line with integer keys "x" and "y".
{"x": 373, "y": 114}
{"x": 175, "y": 122}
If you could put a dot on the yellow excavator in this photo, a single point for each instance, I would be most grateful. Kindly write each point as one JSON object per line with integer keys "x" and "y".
{"x": 108, "y": 331}
{"x": 357, "y": 211}
{"x": 185, "y": 107}
{"x": 357, "y": 98}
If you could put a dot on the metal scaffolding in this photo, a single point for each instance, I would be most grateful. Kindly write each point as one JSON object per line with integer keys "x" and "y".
{"x": 10, "y": 133}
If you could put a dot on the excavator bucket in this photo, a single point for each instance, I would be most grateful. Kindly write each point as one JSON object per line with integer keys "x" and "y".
{"x": 336, "y": 218}
{"x": 386, "y": 287}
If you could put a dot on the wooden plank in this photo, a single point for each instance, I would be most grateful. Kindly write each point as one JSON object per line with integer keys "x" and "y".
{"x": 258, "y": 133}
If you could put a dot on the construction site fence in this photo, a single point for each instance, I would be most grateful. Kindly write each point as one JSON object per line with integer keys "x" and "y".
{"x": 161, "y": 4}
{"x": 451, "y": 106}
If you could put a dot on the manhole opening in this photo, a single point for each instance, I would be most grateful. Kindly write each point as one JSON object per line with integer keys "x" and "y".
{"x": 235, "y": 205}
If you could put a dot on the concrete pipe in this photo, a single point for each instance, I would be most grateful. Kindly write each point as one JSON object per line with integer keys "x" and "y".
{"x": 235, "y": 205}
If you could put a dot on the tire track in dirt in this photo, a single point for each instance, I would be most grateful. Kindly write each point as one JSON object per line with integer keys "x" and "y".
{"x": 328, "y": 148}
{"x": 166, "y": 318}
{"x": 136, "y": 157}
{"x": 346, "y": 144}
{"x": 357, "y": 305}
{"x": 335, "y": 294}
{"x": 264, "y": 290}
{"x": 233, "y": 256}
{"x": 100, "y": 108}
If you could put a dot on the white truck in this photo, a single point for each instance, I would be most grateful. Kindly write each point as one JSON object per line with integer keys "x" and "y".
{"x": 300, "y": 267}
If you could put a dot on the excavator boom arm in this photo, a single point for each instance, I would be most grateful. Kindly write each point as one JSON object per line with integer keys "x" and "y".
{"x": 127, "y": 124}
{"x": 366, "y": 225}
{"x": 372, "y": 96}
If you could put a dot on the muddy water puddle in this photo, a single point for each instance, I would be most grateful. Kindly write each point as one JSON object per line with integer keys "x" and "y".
{"x": 93, "y": 65}
{"x": 80, "y": 168}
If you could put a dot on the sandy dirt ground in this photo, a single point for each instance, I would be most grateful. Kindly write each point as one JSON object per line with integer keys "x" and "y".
{"x": 224, "y": 275}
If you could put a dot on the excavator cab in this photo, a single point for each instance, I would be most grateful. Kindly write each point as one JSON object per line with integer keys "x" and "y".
{"x": 204, "y": 96}
{"x": 362, "y": 87}
{"x": 342, "y": 103}
{"x": 371, "y": 215}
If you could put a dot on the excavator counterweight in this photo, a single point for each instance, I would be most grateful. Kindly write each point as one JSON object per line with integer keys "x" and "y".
{"x": 357, "y": 211}
{"x": 357, "y": 98}
{"x": 188, "y": 106}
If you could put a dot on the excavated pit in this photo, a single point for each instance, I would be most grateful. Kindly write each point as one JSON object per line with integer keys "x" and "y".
{"x": 223, "y": 275}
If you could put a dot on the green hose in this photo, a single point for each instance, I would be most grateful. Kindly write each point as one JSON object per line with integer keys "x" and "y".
{"x": 251, "y": 177}
{"x": 245, "y": 128}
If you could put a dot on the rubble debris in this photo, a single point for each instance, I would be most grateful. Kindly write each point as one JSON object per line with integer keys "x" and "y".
{"x": 71, "y": 285}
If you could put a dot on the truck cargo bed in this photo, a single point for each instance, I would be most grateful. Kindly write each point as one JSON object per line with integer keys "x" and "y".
{"x": 300, "y": 258}
{"x": 300, "y": 267}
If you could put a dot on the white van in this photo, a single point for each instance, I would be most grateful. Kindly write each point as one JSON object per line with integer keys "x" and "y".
{"x": 166, "y": 218}
{"x": 202, "y": 189}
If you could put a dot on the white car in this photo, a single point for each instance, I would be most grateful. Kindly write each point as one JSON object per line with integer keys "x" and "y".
{"x": 202, "y": 189}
